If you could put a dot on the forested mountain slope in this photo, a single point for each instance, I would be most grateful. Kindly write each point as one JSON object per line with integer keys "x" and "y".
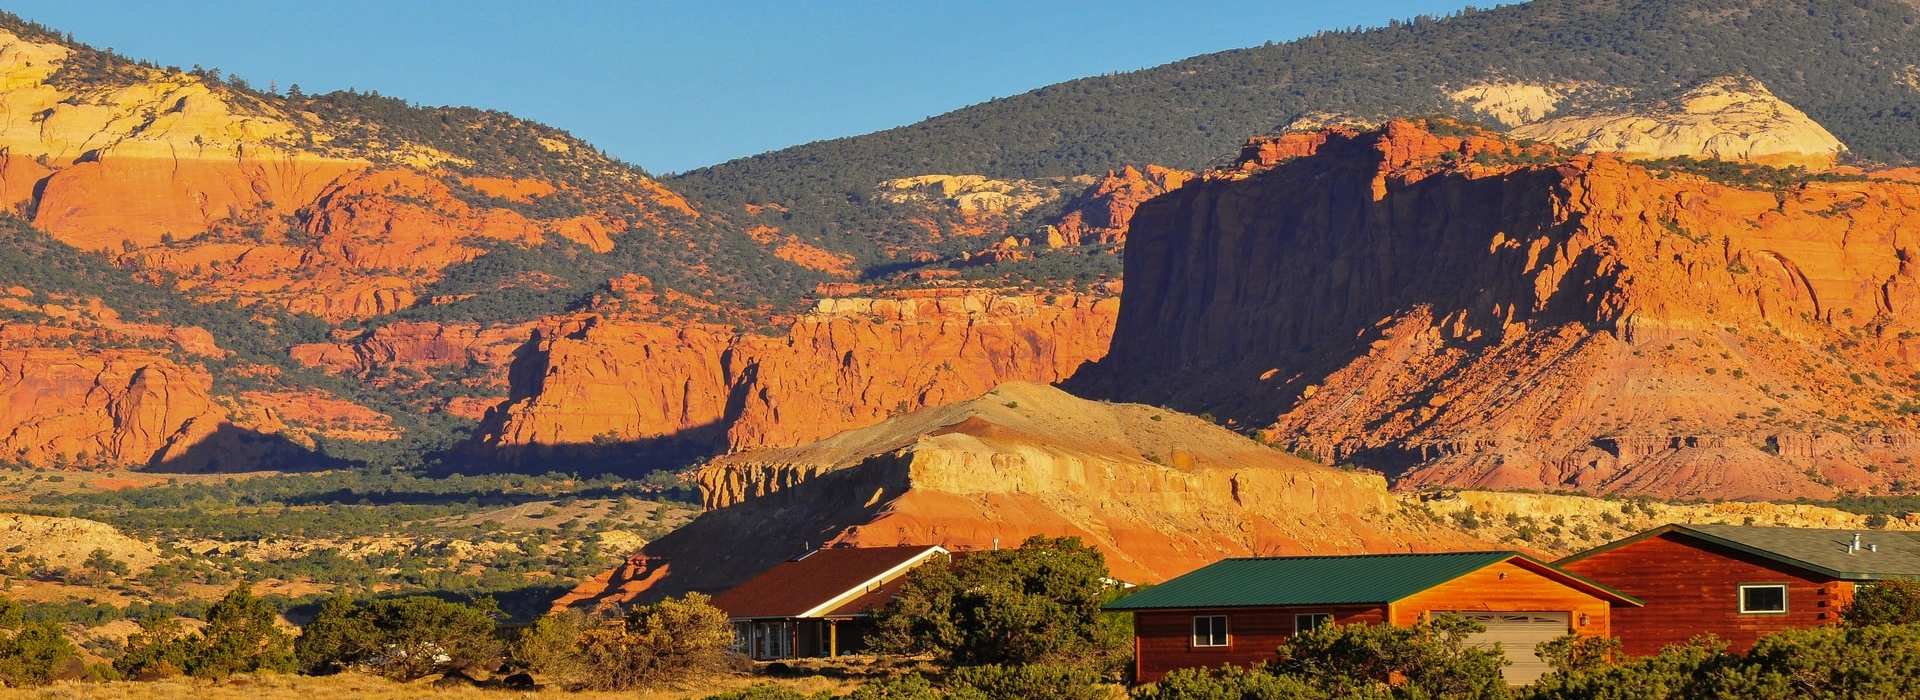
{"x": 1850, "y": 65}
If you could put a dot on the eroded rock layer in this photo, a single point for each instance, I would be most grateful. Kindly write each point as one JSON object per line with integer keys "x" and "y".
{"x": 1159, "y": 492}
{"x": 1463, "y": 310}
{"x": 849, "y": 363}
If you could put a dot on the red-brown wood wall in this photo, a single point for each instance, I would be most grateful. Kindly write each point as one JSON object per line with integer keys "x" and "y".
{"x": 1163, "y": 639}
{"x": 1691, "y": 587}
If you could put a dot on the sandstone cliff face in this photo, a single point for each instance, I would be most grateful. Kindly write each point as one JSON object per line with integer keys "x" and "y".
{"x": 82, "y": 387}
{"x": 1159, "y": 492}
{"x": 1734, "y": 119}
{"x": 101, "y": 407}
{"x": 256, "y": 200}
{"x": 409, "y": 355}
{"x": 1100, "y": 214}
{"x": 848, "y": 363}
{"x": 1442, "y": 309}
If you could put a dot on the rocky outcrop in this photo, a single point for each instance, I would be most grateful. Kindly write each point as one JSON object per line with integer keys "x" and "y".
{"x": 101, "y": 407}
{"x": 254, "y": 199}
{"x": 977, "y": 194}
{"x": 1100, "y": 214}
{"x": 1160, "y": 493}
{"x": 1734, "y": 119}
{"x": 68, "y": 542}
{"x": 846, "y": 364}
{"x": 1458, "y": 310}
{"x": 1509, "y": 102}
{"x": 82, "y": 387}
{"x": 419, "y": 346}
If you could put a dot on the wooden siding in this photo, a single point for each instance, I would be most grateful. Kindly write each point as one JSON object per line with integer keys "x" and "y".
{"x": 1163, "y": 639}
{"x": 1505, "y": 587}
{"x": 1692, "y": 587}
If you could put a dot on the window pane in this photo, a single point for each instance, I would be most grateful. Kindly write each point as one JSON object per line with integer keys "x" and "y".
{"x": 1763, "y": 599}
{"x": 1210, "y": 631}
{"x": 1310, "y": 621}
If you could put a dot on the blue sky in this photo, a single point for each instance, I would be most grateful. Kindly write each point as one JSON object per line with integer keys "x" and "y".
{"x": 673, "y": 86}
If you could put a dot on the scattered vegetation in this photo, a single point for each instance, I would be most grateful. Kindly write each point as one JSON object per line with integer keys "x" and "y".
{"x": 1036, "y": 604}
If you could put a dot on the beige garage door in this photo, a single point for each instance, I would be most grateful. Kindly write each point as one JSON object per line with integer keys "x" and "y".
{"x": 1516, "y": 633}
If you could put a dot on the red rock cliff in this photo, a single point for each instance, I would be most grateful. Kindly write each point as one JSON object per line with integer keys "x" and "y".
{"x": 1464, "y": 311}
{"x": 847, "y": 364}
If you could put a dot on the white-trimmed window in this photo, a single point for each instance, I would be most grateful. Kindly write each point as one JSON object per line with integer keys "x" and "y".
{"x": 1210, "y": 631}
{"x": 1763, "y": 599}
{"x": 1308, "y": 622}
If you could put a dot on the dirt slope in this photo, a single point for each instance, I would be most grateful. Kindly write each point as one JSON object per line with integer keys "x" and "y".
{"x": 1159, "y": 492}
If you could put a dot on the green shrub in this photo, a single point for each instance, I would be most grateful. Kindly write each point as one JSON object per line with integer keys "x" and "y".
{"x": 909, "y": 687}
{"x": 403, "y": 639}
{"x": 1888, "y": 602}
{"x": 1428, "y": 660}
{"x": 1028, "y": 682}
{"x": 31, "y": 653}
{"x": 672, "y": 640}
{"x": 1682, "y": 671}
{"x": 1830, "y": 662}
{"x": 1227, "y": 683}
{"x": 1576, "y": 654}
{"x": 551, "y": 647}
{"x": 767, "y": 692}
{"x": 240, "y": 637}
{"x": 1037, "y": 604}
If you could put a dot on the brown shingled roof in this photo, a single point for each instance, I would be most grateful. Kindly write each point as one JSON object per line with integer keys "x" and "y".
{"x": 794, "y": 588}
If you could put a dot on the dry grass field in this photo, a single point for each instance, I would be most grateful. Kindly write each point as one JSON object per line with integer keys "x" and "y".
{"x": 358, "y": 687}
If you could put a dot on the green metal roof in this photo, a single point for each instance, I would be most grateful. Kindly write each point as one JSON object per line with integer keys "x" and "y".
{"x": 1318, "y": 580}
{"x": 1882, "y": 554}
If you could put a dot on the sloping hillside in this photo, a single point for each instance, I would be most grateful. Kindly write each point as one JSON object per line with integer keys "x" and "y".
{"x": 1852, "y": 66}
{"x": 1159, "y": 492}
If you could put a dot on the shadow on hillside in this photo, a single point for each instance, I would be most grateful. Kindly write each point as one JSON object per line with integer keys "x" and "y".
{"x": 723, "y": 547}
{"x": 521, "y": 605}
{"x": 233, "y": 449}
{"x": 624, "y": 458}
{"x": 1241, "y": 319}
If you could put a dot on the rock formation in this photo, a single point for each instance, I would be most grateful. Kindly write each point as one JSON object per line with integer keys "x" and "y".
{"x": 1511, "y": 103}
{"x": 82, "y": 387}
{"x": 849, "y": 363}
{"x": 255, "y": 200}
{"x": 1462, "y": 310}
{"x": 67, "y": 542}
{"x": 1159, "y": 492}
{"x": 1734, "y": 119}
{"x": 1100, "y": 214}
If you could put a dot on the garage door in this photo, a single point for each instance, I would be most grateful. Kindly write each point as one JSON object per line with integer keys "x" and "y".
{"x": 1516, "y": 633}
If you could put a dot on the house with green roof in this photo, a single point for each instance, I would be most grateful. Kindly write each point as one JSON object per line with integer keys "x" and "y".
{"x": 1239, "y": 611}
{"x": 1740, "y": 582}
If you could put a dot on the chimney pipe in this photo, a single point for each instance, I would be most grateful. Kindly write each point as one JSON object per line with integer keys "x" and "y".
{"x": 1856, "y": 544}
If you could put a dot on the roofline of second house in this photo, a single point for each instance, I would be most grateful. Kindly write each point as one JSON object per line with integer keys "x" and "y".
{"x": 823, "y": 611}
{"x": 1526, "y": 561}
{"x": 1732, "y": 544}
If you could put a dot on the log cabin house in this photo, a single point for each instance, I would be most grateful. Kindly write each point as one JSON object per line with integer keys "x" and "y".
{"x": 819, "y": 603}
{"x": 1239, "y": 611}
{"x": 1739, "y": 582}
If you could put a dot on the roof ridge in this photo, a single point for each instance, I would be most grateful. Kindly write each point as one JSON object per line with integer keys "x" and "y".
{"x": 1380, "y": 555}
